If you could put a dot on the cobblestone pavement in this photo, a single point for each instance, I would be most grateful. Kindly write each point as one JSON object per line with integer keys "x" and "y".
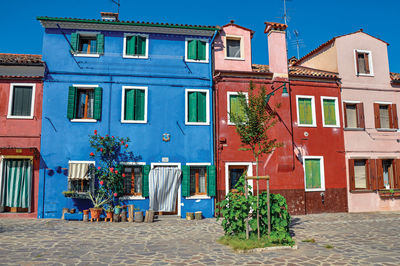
{"x": 356, "y": 239}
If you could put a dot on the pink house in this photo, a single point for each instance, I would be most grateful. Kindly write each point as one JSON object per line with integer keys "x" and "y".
{"x": 370, "y": 95}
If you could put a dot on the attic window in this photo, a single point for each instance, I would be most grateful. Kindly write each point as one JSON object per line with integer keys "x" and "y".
{"x": 234, "y": 47}
{"x": 363, "y": 62}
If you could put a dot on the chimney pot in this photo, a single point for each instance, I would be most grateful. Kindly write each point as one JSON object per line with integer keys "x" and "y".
{"x": 109, "y": 16}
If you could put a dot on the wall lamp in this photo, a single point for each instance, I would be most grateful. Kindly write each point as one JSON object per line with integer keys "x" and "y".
{"x": 284, "y": 92}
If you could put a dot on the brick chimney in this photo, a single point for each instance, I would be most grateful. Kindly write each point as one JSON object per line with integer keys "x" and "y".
{"x": 277, "y": 53}
{"x": 109, "y": 16}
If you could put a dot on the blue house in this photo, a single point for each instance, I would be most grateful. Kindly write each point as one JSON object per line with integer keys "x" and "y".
{"x": 150, "y": 82}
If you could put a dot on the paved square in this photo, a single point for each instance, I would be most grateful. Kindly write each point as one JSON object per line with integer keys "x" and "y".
{"x": 356, "y": 239}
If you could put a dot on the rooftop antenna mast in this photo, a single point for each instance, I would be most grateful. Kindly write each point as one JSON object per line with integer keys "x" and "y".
{"x": 284, "y": 12}
{"x": 296, "y": 33}
{"x": 117, "y": 2}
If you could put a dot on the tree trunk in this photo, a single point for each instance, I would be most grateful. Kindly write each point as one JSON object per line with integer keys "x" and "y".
{"x": 258, "y": 199}
{"x": 247, "y": 218}
{"x": 269, "y": 212}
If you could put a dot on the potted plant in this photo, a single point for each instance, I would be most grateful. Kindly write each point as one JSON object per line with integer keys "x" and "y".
{"x": 109, "y": 211}
{"x": 117, "y": 209}
{"x": 98, "y": 201}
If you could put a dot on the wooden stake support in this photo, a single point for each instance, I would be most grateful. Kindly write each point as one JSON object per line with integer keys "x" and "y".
{"x": 266, "y": 177}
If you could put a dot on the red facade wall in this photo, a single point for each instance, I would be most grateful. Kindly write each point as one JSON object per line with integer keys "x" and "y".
{"x": 283, "y": 166}
{"x": 21, "y": 137}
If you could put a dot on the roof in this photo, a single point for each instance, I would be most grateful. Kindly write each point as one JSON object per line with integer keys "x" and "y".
{"x": 232, "y": 23}
{"x": 395, "y": 77}
{"x": 131, "y": 23}
{"x": 274, "y": 26}
{"x": 325, "y": 44}
{"x": 298, "y": 71}
{"x": 21, "y": 59}
{"x": 19, "y": 77}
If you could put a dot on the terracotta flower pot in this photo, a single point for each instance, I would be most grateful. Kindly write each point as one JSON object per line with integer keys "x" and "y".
{"x": 95, "y": 213}
{"x": 71, "y": 210}
{"x": 109, "y": 215}
{"x": 85, "y": 212}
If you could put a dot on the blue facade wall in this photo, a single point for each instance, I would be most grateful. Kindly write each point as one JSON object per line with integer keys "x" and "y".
{"x": 166, "y": 76}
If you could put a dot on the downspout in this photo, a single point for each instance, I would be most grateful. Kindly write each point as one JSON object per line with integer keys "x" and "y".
{"x": 109, "y": 107}
{"x": 212, "y": 127}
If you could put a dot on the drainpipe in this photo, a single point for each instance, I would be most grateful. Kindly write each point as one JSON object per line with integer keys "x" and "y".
{"x": 212, "y": 127}
{"x": 109, "y": 107}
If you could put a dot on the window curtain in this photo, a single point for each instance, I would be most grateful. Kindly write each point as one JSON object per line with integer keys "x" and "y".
{"x": 163, "y": 188}
{"x": 22, "y": 101}
{"x": 16, "y": 184}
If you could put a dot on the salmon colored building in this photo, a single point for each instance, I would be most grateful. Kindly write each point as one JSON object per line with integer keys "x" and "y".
{"x": 370, "y": 96}
{"x": 309, "y": 170}
{"x": 21, "y": 88}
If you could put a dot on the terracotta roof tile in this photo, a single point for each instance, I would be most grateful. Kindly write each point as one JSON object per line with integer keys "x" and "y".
{"x": 395, "y": 77}
{"x": 298, "y": 71}
{"x": 134, "y": 23}
{"x": 274, "y": 26}
{"x": 21, "y": 59}
{"x": 325, "y": 44}
{"x": 19, "y": 77}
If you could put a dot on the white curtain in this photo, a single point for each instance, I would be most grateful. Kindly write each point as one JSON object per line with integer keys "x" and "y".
{"x": 163, "y": 188}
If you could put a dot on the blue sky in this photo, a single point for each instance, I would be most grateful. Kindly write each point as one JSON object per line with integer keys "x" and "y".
{"x": 316, "y": 20}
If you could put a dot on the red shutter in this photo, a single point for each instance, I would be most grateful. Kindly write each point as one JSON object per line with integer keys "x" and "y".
{"x": 345, "y": 114}
{"x": 376, "y": 115}
{"x": 360, "y": 115}
{"x": 372, "y": 174}
{"x": 366, "y": 63}
{"x": 393, "y": 116}
{"x": 351, "y": 175}
{"x": 397, "y": 173}
{"x": 379, "y": 174}
{"x": 358, "y": 66}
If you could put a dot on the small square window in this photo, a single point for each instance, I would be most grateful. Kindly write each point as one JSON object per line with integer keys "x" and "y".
{"x": 80, "y": 177}
{"x": 196, "y": 50}
{"x": 305, "y": 111}
{"x": 135, "y": 46}
{"x": 385, "y": 116}
{"x": 235, "y": 106}
{"x": 89, "y": 44}
{"x": 330, "y": 112}
{"x": 233, "y": 48}
{"x": 363, "y": 63}
{"x": 198, "y": 180}
{"x": 21, "y": 101}
{"x": 197, "y": 104}
{"x": 134, "y": 104}
{"x": 84, "y": 103}
{"x": 133, "y": 180}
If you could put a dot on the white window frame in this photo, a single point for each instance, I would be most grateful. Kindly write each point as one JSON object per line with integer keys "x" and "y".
{"x": 133, "y": 197}
{"x": 207, "y": 50}
{"x": 314, "y": 122}
{"x": 371, "y": 69}
{"x": 336, "y": 111}
{"x": 234, "y": 37}
{"x": 322, "y": 173}
{"x": 87, "y": 34}
{"x": 146, "y": 56}
{"x": 78, "y": 86}
{"x": 179, "y": 206}
{"x": 249, "y": 173}
{"x": 198, "y": 196}
{"x": 228, "y": 104}
{"x": 124, "y": 88}
{"x": 10, "y": 100}
{"x": 207, "y": 108}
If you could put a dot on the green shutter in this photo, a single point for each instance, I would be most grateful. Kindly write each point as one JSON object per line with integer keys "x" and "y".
{"x": 74, "y": 41}
{"x": 128, "y": 48}
{"x": 141, "y": 46}
{"x": 97, "y": 103}
{"x": 211, "y": 181}
{"x": 305, "y": 111}
{"x": 192, "y": 108}
{"x": 145, "y": 178}
{"x": 71, "y": 102}
{"x": 139, "y": 104}
{"x": 192, "y": 50}
{"x": 100, "y": 43}
{"x": 234, "y": 104}
{"x": 129, "y": 104}
{"x": 313, "y": 174}
{"x": 133, "y": 45}
{"x": 201, "y": 50}
{"x": 329, "y": 112}
{"x": 201, "y": 107}
{"x": 185, "y": 181}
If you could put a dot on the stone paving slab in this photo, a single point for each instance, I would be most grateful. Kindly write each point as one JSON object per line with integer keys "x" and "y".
{"x": 361, "y": 239}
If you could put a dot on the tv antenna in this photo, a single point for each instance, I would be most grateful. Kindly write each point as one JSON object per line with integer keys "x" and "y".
{"x": 298, "y": 42}
{"x": 117, "y": 2}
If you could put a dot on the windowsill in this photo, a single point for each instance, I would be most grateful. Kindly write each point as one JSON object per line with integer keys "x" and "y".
{"x": 197, "y": 124}
{"x": 87, "y": 55}
{"x": 132, "y": 198}
{"x": 315, "y": 190}
{"x": 364, "y": 75}
{"x": 387, "y": 129}
{"x": 302, "y": 125}
{"x": 361, "y": 191}
{"x": 136, "y": 56}
{"x": 198, "y": 197}
{"x": 195, "y": 61}
{"x": 133, "y": 122}
{"x": 20, "y": 117}
{"x": 234, "y": 58}
{"x": 353, "y": 129}
{"x": 332, "y": 126}
{"x": 84, "y": 120}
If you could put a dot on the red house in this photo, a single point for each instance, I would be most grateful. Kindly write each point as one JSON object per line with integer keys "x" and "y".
{"x": 309, "y": 170}
{"x": 21, "y": 90}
